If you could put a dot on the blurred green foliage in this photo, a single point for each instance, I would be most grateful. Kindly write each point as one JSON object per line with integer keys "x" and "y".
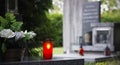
{"x": 10, "y": 22}
{"x": 56, "y": 20}
{"x": 109, "y": 16}
{"x": 111, "y": 4}
{"x": 34, "y": 13}
{"x": 113, "y": 12}
{"x": 51, "y": 29}
{"x": 37, "y": 18}
{"x": 36, "y": 52}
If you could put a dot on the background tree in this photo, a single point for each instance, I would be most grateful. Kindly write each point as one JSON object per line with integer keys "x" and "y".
{"x": 37, "y": 18}
{"x": 110, "y": 3}
{"x": 34, "y": 14}
{"x": 56, "y": 27}
{"x": 113, "y": 12}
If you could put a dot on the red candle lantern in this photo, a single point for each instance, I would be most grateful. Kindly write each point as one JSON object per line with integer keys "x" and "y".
{"x": 47, "y": 49}
{"x": 81, "y": 52}
{"x": 107, "y": 51}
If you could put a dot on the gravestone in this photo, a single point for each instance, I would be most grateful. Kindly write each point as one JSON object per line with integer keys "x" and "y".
{"x": 79, "y": 20}
{"x": 102, "y": 36}
{"x": 96, "y": 35}
{"x": 91, "y": 14}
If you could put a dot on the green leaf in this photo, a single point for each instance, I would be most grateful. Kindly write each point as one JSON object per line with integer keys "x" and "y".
{"x": 10, "y": 17}
{"x": 16, "y": 26}
{"x": 3, "y": 22}
{"x": 1, "y": 28}
{"x": 3, "y": 47}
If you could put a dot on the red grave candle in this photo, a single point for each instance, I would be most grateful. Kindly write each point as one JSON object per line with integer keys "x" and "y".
{"x": 81, "y": 52}
{"x": 47, "y": 50}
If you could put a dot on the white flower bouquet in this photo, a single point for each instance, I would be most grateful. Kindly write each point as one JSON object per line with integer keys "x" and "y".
{"x": 15, "y": 39}
{"x": 11, "y": 35}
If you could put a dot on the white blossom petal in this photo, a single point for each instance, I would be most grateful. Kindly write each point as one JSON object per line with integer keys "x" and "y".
{"x": 7, "y": 33}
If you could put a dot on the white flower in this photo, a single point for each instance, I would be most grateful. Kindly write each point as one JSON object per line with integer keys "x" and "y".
{"x": 7, "y": 33}
{"x": 29, "y": 35}
{"x": 19, "y": 35}
{"x": 32, "y": 34}
{"x": 25, "y": 32}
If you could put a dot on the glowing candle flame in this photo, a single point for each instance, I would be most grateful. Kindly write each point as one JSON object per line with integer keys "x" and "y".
{"x": 48, "y": 46}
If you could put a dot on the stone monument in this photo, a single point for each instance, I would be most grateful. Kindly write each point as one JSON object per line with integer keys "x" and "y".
{"x": 91, "y": 14}
{"x": 72, "y": 25}
{"x": 82, "y": 20}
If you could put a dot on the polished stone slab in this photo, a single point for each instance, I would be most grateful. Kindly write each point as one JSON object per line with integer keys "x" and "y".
{"x": 54, "y": 61}
{"x": 88, "y": 57}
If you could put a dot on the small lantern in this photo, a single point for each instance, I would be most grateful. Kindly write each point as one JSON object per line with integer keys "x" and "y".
{"x": 47, "y": 49}
{"x": 81, "y": 51}
{"x": 107, "y": 51}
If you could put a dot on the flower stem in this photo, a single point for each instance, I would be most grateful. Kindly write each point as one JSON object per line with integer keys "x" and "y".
{"x": 4, "y": 46}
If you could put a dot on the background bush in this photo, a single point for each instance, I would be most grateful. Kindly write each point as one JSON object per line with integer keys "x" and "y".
{"x": 37, "y": 18}
{"x": 51, "y": 29}
{"x": 111, "y": 16}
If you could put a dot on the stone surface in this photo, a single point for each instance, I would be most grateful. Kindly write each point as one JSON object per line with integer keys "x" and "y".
{"x": 90, "y": 14}
{"x": 72, "y": 24}
{"x": 54, "y": 61}
{"x": 102, "y": 34}
{"x": 88, "y": 57}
